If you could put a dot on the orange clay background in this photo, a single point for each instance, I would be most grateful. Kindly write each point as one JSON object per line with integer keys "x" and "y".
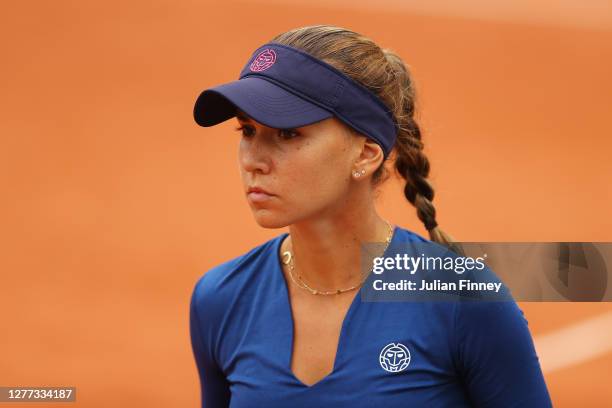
{"x": 115, "y": 202}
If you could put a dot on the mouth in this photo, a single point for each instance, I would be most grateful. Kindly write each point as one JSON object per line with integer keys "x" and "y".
{"x": 258, "y": 195}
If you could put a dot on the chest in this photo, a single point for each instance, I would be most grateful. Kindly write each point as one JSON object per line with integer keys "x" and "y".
{"x": 361, "y": 354}
{"x": 317, "y": 328}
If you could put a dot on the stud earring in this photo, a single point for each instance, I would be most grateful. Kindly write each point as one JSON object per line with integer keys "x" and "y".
{"x": 362, "y": 172}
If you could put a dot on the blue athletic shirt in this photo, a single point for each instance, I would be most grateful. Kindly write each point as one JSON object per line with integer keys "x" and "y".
{"x": 461, "y": 354}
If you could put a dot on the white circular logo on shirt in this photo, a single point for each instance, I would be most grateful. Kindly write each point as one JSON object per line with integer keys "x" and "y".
{"x": 394, "y": 357}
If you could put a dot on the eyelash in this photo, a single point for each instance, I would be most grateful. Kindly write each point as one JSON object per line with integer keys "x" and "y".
{"x": 242, "y": 128}
{"x": 285, "y": 131}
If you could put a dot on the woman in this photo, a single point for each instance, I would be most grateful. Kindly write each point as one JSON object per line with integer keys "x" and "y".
{"x": 321, "y": 109}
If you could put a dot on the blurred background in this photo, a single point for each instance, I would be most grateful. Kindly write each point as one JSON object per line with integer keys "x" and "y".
{"x": 115, "y": 202}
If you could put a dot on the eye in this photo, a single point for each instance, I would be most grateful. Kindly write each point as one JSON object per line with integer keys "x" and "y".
{"x": 247, "y": 131}
{"x": 289, "y": 133}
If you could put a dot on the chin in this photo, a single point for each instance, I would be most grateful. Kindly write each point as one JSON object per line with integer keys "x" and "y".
{"x": 269, "y": 219}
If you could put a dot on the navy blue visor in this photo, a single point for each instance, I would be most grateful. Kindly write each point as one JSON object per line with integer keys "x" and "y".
{"x": 283, "y": 87}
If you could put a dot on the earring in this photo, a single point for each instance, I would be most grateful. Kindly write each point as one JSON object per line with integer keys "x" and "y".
{"x": 359, "y": 173}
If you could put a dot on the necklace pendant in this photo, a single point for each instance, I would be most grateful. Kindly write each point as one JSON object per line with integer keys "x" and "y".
{"x": 287, "y": 257}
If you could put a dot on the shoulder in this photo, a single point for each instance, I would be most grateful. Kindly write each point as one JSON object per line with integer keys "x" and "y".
{"x": 223, "y": 281}
{"x": 407, "y": 240}
{"x": 404, "y": 234}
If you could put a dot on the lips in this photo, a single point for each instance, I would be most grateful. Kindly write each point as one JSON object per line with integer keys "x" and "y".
{"x": 258, "y": 195}
{"x": 258, "y": 190}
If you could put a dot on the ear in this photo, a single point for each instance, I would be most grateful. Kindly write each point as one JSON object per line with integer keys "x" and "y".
{"x": 369, "y": 159}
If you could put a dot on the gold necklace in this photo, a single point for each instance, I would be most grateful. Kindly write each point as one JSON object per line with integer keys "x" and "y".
{"x": 288, "y": 260}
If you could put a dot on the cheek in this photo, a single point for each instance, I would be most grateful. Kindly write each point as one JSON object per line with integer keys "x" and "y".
{"x": 320, "y": 178}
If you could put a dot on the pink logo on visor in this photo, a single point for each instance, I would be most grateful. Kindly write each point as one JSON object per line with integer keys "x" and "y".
{"x": 263, "y": 60}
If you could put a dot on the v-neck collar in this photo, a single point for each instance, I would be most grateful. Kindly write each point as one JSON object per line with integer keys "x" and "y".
{"x": 278, "y": 273}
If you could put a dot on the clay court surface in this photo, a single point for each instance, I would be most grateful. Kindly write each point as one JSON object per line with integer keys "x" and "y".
{"x": 116, "y": 202}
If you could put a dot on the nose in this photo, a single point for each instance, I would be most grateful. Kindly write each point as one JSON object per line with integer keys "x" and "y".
{"x": 255, "y": 154}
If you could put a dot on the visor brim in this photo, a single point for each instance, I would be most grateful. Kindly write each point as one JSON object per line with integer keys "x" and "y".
{"x": 262, "y": 100}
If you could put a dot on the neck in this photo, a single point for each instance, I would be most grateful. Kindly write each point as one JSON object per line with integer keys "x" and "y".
{"x": 327, "y": 250}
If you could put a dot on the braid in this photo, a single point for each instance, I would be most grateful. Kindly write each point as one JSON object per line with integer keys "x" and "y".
{"x": 413, "y": 166}
{"x": 410, "y": 161}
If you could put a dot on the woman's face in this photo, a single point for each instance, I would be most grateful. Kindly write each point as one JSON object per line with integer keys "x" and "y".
{"x": 303, "y": 172}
